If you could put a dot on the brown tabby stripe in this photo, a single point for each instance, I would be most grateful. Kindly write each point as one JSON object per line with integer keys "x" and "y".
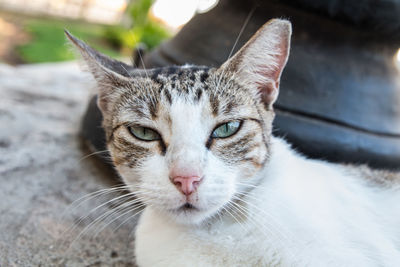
{"x": 203, "y": 76}
{"x": 229, "y": 107}
{"x": 168, "y": 96}
{"x": 162, "y": 146}
{"x": 122, "y": 143}
{"x": 138, "y": 110}
{"x": 198, "y": 95}
{"x": 266, "y": 131}
{"x": 255, "y": 162}
{"x": 214, "y": 102}
{"x": 110, "y": 132}
{"x": 153, "y": 108}
{"x": 129, "y": 152}
{"x": 242, "y": 141}
{"x": 235, "y": 152}
{"x": 238, "y": 152}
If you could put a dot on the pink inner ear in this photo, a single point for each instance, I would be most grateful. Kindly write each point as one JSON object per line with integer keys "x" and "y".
{"x": 269, "y": 88}
{"x": 268, "y": 92}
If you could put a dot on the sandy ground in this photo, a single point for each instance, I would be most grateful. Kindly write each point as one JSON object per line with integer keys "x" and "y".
{"x": 43, "y": 170}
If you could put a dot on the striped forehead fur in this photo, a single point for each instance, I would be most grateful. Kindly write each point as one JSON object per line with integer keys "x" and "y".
{"x": 190, "y": 83}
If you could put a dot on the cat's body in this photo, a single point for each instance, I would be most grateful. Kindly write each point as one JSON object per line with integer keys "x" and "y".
{"x": 303, "y": 213}
{"x": 195, "y": 145}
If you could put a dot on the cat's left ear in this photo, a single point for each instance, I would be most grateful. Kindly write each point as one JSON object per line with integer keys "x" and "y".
{"x": 109, "y": 73}
{"x": 260, "y": 62}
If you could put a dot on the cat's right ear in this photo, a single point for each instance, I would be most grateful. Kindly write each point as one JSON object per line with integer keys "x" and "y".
{"x": 109, "y": 73}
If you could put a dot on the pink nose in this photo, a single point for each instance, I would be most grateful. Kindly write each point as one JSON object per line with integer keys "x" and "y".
{"x": 186, "y": 184}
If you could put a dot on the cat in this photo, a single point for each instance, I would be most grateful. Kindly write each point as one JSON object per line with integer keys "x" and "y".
{"x": 195, "y": 145}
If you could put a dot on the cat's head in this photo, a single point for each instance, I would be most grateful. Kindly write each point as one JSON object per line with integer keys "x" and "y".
{"x": 190, "y": 139}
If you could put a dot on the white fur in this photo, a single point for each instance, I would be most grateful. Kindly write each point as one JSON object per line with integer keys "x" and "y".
{"x": 303, "y": 213}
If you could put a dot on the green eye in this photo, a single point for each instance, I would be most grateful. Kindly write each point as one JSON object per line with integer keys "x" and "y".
{"x": 144, "y": 133}
{"x": 226, "y": 129}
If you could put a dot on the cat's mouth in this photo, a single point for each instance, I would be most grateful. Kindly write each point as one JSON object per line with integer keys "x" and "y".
{"x": 188, "y": 212}
{"x": 187, "y": 206}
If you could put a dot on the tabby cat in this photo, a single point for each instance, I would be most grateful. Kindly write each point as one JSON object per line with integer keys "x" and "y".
{"x": 195, "y": 145}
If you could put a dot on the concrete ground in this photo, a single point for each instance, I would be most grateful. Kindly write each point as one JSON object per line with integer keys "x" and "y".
{"x": 43, "y": 169}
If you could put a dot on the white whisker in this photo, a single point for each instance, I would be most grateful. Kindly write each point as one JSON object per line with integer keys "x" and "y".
{"x": 235, "y": 43}
{"x": 78, "y": 202}
{"x": 141, "y": 208}
{"x": 94, "y": 153}
{"x": 127, "y": 209}
{"x": 104, "y": 216}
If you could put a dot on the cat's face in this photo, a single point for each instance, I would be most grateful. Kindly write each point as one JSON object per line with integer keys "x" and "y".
{"x": 189, "y": 139}
{"x": 188, "y": 122}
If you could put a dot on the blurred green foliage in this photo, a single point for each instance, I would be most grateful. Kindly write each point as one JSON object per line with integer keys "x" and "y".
{"x": 143, "y": 30}
{"x": 48, "y": 41}
{"x": 138, "y": 11}
{"x": 49, "y": 44}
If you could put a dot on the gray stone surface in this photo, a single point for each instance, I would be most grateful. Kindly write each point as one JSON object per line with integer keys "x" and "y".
{"x": 43, "y": 170}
